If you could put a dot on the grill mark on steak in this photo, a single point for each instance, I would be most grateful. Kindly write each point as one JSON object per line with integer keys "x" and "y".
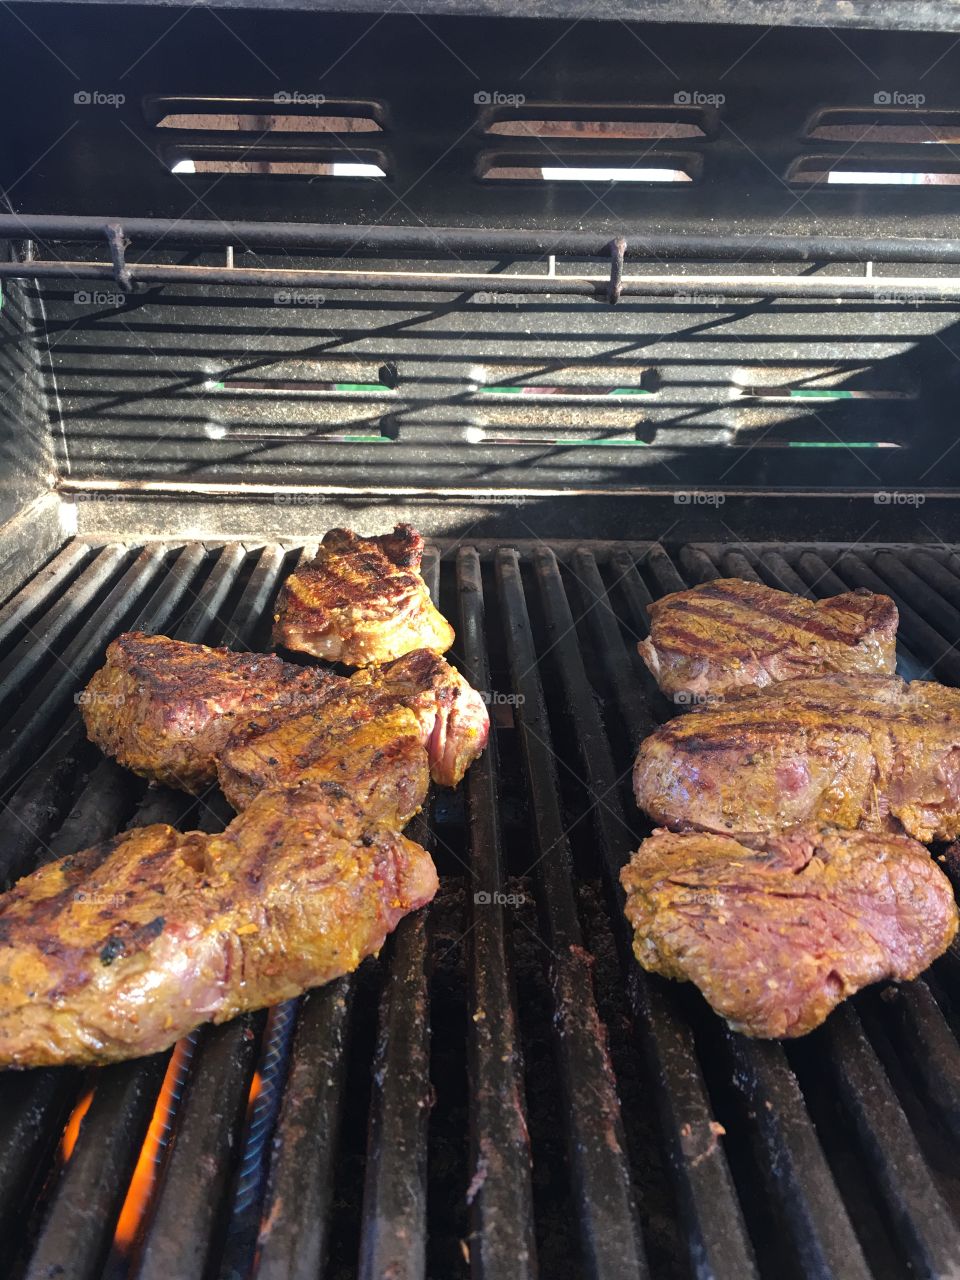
{"x": 876, "y": 752}
{"x": 733, "y": 626}
{"x": 731, "y": 634}
{"x": 776, "y": 936}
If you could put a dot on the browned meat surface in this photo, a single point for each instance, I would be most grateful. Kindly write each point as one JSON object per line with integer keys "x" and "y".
{"x": 164, "y": 708}
{"x": 362, "y": 600}
{"x": 846, "y": 751}
{"x": 378, "y": 757}
{"x": 776, "y": 937}
{"x": 453, "y": 717}
{"x": 730, "y": 633}
{"x": 124, "y": 948}
{"x": 168, "y": 710}
{"x": 376, "y": 733}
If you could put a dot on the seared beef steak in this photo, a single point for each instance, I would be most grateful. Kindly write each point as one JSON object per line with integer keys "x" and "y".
{"x": 120, "y": 950}
{"x": 361, "y": 600}
{"x": 167, "y": 709}
{"x": 849, "y": 751}
{"x": 376, "y": 733}
{"x": 775, "y": 938}
{"x": 453, "y": 718}
{"x": 164, "y": 708}
{"x": 376, "y": 755}
{"x": 729, "y": 633}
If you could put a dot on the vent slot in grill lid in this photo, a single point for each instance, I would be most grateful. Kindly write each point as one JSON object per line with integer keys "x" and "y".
{"x": 276, "y": 159}
{"x": 851, "y": 170}
{"x": 288, "y": 111}
{"x": 594, "y": 123}
{"x": 891, "y": 126}
{"x": 660, "y": 168}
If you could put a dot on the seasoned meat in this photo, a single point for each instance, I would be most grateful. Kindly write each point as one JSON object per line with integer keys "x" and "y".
{"x": 168, "y": 709}
{"x": 361, "y": 600}
{"x": 453, "y": 717}
{"x": 376, "y": 733}
{"x": 776, "y": 937}
{"x": 164, "y": 708}
{"x": 730, "y": 633}
{"x": 846, "y": 751}
{"x": 377, "y": 756}
{"x": 124, "y": 948}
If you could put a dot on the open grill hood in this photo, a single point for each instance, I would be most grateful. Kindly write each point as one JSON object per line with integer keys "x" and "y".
{"x": 222, "y": 333}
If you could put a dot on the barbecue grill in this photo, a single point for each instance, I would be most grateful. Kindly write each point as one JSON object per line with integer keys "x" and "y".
{"x": 606, "y": 305}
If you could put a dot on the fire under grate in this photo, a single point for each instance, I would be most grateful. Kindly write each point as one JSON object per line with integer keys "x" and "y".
{"x": 501, "y": 1092}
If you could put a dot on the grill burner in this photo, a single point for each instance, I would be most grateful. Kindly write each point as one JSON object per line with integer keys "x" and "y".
{"x": 331, "y": 1132}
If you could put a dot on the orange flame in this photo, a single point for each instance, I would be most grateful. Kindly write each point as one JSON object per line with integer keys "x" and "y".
{"x": 255, "y": 1086}
{"x": 145, "y": 1173}
{"x": 72, "y": 1131}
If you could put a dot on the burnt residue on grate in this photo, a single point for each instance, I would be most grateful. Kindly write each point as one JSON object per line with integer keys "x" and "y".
{"x": 500, "y": 1091}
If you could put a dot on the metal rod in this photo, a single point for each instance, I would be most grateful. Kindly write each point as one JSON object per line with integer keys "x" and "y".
{"x": 502, "y": 1241}
{"x": 393, "y": 1232}
{"x": 694, "y": 290}
{"x": 609, "y": 1227}
{"x": 639, "y": 243}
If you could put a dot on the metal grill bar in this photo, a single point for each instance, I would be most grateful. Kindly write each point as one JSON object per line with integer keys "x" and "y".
{"x": 466, "y": 241}
{"x": 48, "y": 582}
{"x": 293, "y": 1238}
{"x": 704, "y": 1187}
{"x": 502, "y": 1240}
{"x": 393, "y": 1237}
{"x": 609, "y": 1229}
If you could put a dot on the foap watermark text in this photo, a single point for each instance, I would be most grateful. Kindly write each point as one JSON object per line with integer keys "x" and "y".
{"x": 895, "y": 498}
{"x": 293, "y": 98}
{"x": 694, "y": 98}
{"x": 494, "y": 98}
{"x": 496, "y": 898}
{"x": 698, "y": 498}
{"x": 98, "y": 98}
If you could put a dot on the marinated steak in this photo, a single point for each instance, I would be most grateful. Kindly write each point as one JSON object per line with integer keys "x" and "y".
{"x": 377, "y": 756}
{"x": 847, "y": 751}
{"x": 362, "y": 600}
{"x": 776, "y": 937}
{"x": 453, "y": 717}
{"x": 730, "y": 633}
{"x": 164, "y": 708}
{"x": 124, "y": 948}
{"x": 376, "y": 733}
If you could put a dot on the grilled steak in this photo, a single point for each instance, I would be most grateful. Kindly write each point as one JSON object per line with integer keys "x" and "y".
{"x": 847, "y": 751}
{"x": 776, "y": 937}
{"x": 124, "y": 948}
{"x": 164, "y": 708}
{"x": 729, "y": 633}
{"x": 361, "y": 600}
{"x": 375, "y": 733}
{"x": 453, "y": 717}
{"x": 377, "y": 755}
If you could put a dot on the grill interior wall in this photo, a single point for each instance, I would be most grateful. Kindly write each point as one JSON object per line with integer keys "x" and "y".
{"x": 656, "y": 1135}
{"x": 27, "y": 465}
{"x": 220, "y": 384}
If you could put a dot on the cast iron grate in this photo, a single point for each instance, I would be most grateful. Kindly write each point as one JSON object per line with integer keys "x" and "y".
{"x": 501, "y": 1092}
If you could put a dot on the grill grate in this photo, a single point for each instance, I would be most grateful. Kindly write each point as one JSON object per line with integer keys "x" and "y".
{"x": 616, "y": 1128}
